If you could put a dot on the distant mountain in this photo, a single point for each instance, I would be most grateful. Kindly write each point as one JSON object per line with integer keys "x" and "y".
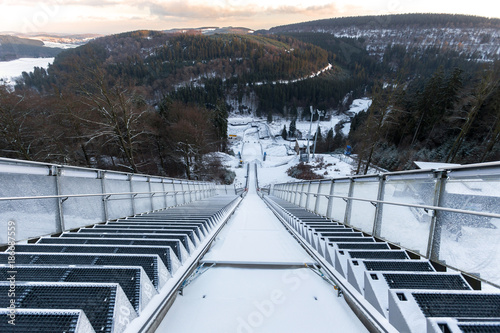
{"x": 478, "y": 37}
{"x": 169, "y": 60}
{"x": 40, "y": 45}
{"x": 12, "y": 47}
{"x": 213, "y": 30}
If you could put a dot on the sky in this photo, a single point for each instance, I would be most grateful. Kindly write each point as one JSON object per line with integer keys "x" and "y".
{"x": 113, "y": 16}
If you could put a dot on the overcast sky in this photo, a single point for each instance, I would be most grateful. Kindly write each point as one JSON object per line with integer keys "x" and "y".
{"x": 112, "y": 16}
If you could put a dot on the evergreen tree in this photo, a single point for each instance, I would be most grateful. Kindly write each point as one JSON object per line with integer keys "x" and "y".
{"x": 292, "y": 128}
{"x": 284, "y": 133}
{"x": 329, "y": 141}
{"x": 269, "y": 117}
{"x": 219, "y": 121}
{"x": 319, "y": 142}
{"x": 338, "y": 141}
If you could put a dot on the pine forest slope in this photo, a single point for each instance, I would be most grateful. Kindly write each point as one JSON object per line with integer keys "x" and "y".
{"x": 478, "y": 37}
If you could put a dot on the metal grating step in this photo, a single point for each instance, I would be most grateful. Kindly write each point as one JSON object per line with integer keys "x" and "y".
{"x": 133, "y": 280}
{"x": 202, "y": 223}
{"x": 362, "y": 246}
{"x": 331, "y": 248}
{"x": 152, "y": 265}
{"x": 458, "y": 305}
{"x": 333, "y": 228}
{"x": 479, "y": 328}
{"x": 356, "y": 269}
{"x": 343, "y": 233}
{"x": 183, "y": 238}
{"x": 453, "y": 325}
{"x": 408, "y": 309}
{"x": 342, "y": 257}
{"x": 114, "y": 230}
{"x": 377, "y": 284}
{"x": 351, "y": 239}
{"x": 197, "y": 229}
{"x": 392, "y": 254}
{"x": 175, "y": 245}
{"x": 102, "y": 303}
{"x": 407, "y": 265}
{"x": 165, "y": 253}
{"x": 426, "y": 281}
{"x": 45, "y": 321}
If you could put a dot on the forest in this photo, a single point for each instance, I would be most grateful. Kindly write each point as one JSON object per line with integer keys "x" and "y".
{"x": 395, "y": 21}
{"x": 157, "y": 103}
{"x": 144, "y": 101}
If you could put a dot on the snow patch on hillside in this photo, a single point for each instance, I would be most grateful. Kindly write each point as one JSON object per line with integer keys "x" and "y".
{"x": 11, "y": 70}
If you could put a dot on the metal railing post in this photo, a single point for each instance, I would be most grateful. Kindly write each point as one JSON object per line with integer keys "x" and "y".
{"x": 102, "y": 175}
{"x": 189, "y": 192}
{"x": 151, "y": 194}
{"x": 175, "y": 192}
{"x": 316, "y": 203}
{"x": 183, "y": 193}
{"x": 132, "y": 196}
{"x": 55, "y": 171}
{"x": 295, "y": 192}
{"x": 348, "y": 207}
{"x": 377, "y": 223}
{"x": 330, "y": 200}
{"x": 307, "y": 195}
{"x": 302, "y": 191}
{"x": 433, "y": 244}
{"x": 165, "y": 203}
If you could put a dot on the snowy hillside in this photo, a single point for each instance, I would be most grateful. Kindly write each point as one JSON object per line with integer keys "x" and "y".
{"x": 477, "y": 37}
{"x": 252, "y": 142}
{"x": 10, "y": 70}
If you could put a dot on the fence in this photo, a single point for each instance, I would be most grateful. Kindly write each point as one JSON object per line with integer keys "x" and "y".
{"x": 41, "y": 199}
{"x": 450, "y": 216}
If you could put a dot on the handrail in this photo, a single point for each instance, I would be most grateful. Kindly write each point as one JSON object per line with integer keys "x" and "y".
{"x": 14, "y": 162}
{"x": 111, "y": 195}
{"x": 96, "y": 195}
{"x": 426, "y": 207}
{"x": 470, "y": 192}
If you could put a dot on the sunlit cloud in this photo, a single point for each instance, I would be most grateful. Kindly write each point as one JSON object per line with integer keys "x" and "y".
{"x": 188, "y": 9}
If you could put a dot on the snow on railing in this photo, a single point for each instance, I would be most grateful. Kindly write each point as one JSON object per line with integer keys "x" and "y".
{"x": 448, "y": 215}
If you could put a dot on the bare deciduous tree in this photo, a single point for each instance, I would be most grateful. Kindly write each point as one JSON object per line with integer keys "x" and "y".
{"x": 117, "y": 117}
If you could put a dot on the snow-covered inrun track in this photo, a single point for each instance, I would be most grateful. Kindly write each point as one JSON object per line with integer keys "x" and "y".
{"x": 260, "y": 280}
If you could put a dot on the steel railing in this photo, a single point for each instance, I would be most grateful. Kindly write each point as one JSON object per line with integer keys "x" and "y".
{"x": 445, "y": 215}
{"x": 42, "y": 198}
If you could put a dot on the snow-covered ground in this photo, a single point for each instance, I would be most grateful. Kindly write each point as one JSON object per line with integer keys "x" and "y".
{"x": 10, "y": 70}
{"x": 312, "y": 75}
{"x": 357, "y": 106}
{"x": 59, "y": 45}
{"x": 280, "y": 155}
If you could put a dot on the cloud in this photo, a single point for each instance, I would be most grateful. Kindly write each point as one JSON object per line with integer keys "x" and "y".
{"x": 187, "y": 10}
